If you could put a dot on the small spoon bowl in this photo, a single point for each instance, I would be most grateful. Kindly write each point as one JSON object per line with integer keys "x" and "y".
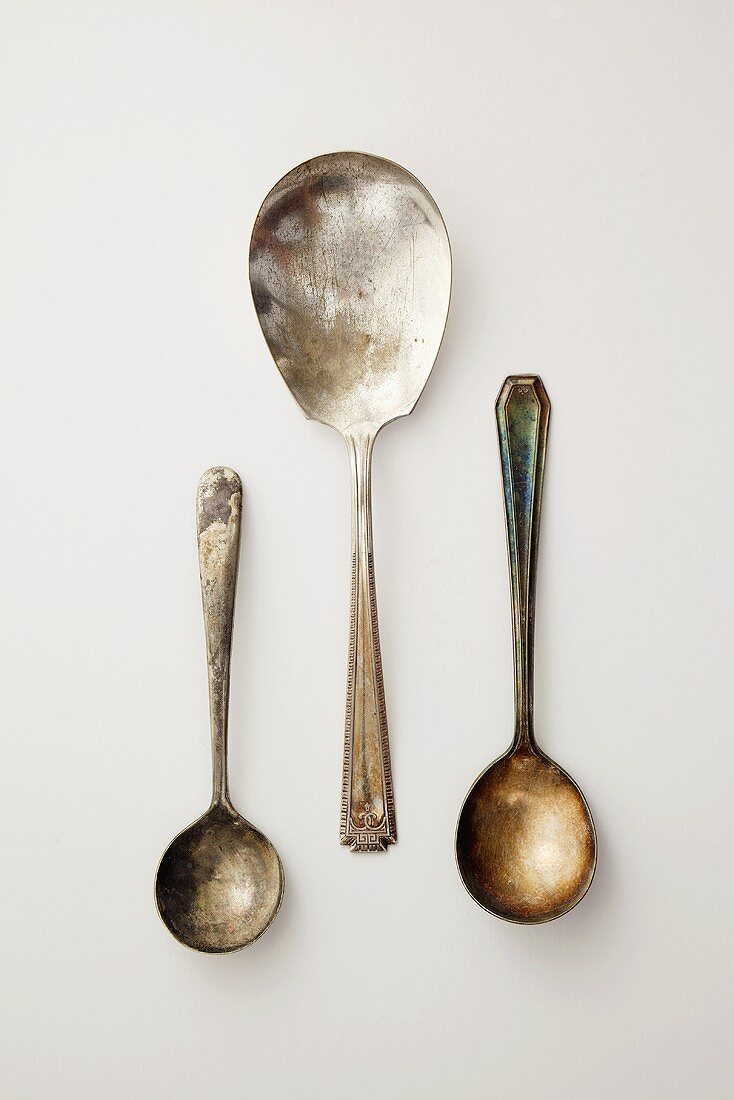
{"x": 220, "y": 883}
{"x": 525, "y": 843}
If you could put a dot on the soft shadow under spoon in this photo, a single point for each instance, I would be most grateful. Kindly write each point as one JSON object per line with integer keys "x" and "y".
{"x": 220, "y": 882}
{"x": 350, "y": 270}
{"x": 525, "y": 842}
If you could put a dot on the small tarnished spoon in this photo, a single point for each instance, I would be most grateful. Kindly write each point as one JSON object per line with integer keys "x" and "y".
{"x": 350, "y": 270}
{"x": 220, "y": 882}
{"x": 525, "y": 842}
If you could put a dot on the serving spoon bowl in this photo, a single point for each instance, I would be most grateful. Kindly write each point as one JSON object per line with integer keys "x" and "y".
{"x": 220, "y": 882}
{"x": 525, "y": 841}
{"x": 350, "y": 269}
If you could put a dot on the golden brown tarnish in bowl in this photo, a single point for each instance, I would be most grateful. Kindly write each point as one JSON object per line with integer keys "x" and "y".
{"x": 525, "y": 840}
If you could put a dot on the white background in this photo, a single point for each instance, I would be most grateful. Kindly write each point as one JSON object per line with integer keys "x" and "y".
{"x": 583, "y": 157}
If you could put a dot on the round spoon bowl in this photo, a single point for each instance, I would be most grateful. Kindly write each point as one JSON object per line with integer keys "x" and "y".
{"x": 219, "y": 884}
{"x": 525, "y": 842}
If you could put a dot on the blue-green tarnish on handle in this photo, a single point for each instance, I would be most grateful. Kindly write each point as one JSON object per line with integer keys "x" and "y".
{"x": 523, "y": 411}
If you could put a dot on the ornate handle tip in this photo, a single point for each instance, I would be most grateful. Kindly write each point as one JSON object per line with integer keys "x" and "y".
{"x": 522, "y": 385}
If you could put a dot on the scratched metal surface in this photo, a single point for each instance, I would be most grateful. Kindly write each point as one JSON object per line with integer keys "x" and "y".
{"x": 350, "y": 269}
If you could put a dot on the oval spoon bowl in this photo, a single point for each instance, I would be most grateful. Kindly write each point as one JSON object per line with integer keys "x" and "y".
{"x": 525, "y": 841}
{"x": 350, "y": 270}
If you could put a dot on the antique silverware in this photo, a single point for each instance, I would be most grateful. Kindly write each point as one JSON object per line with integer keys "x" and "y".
{"x": 220, "y": 882}
{"x": 525, "y": 842}
{"x": 350, "y": 268}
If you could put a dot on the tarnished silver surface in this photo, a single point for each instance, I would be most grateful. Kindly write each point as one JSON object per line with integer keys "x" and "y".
{"x": 350, "y": 268}
{"x": 220, "y": 882}
{"x": 525, "y": 842}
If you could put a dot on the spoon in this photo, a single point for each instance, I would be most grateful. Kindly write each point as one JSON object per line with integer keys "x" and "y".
{"x": 350, "y": 268}
{"x": 525, "y": 842}
{"x": 220, "y": 882}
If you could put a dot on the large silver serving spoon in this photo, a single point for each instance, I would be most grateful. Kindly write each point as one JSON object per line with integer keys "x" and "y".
{"x": 220, "y": 882}
{"x": 525, "y": 842}
{"x": 350, "y": 270}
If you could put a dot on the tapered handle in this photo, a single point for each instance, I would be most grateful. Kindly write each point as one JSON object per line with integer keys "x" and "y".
{"x": 218, "y": 514}
{"x": 523, "y": 411}
{"x": 368, "y": 811}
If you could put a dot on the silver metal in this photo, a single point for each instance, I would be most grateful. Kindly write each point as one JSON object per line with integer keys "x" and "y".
{"x": 220, "y": 882}
{"x": 350, "y": 269}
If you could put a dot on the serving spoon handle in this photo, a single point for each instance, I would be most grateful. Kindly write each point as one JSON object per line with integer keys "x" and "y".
{"x": 218, "y": 513}
{"x": 368, "y": 811}
{"x": 523, "y": 411}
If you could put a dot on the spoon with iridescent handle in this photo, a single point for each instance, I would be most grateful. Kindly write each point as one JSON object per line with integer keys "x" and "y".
{"x": 220, "y": 882}
{"x": 350, "y": 269}
{"x": 525, "y": 842}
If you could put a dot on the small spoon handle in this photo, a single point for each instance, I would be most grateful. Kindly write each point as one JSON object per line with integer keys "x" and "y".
{"x": 523, "y": 410}
{"x": 368, "y": 811}
{"x": 218, "y": 511}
